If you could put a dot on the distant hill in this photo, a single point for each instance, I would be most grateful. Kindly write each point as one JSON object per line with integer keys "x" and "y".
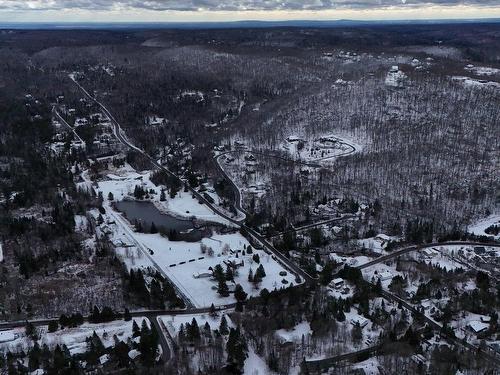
{"x": 227, "y": 25}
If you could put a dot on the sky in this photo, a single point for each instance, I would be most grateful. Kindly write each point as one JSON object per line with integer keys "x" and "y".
{"x": 232, "y": 10}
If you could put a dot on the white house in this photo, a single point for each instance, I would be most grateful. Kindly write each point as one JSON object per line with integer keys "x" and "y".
{"x": 336, "y": 283}
{"x": 477, "y": 327}
{"x": 6, "y": 336}
{"x": 384, "y": 275}
{"x": 359, "y": 320}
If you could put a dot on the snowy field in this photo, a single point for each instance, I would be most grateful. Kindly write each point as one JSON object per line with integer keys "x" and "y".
{"x": 186, "y": 257}
{"x": 479, "y": 227}
{"x": 73, "y": 338}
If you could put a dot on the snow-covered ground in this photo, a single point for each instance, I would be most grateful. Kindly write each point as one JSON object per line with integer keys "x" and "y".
{"x": 73, "y": 338}
{"x": 477, "y": 83}
{"x": 173, "y": 322}
{"x": 319, "y": 148}
{"x": 479, "y": 227}
{"x": 186, "y": 258}
{"x": 382, "y": 271}
{"x": 369, "y": 366}
{"x": 122, "y": 182}
{"x": 350, "y": 260}
{"x": 295, "y": 334}
{"x": 482, "y": 70}
{"x": 182, "y": 262}
{"x": 378, "y": 243}
{"x": 255, "y": 365}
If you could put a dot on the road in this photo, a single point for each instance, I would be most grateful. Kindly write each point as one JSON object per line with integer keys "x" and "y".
{"x": 319, "y": 365}
{"x": 410, "y": 249}
{"x": 312, "y": 225}
{"x": 65, "y": 123}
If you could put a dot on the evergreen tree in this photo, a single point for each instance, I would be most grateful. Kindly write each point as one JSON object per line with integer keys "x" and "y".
{"x": 53, "y": 326}
{"x": 34, "y": 357}
{"x": 223, "y": 328}
{"x": 222, "y": 288}
{"x": 236, "y": 348}
{"x": 193, "y": 331}
{"x": 153, "y": 229}
{"x": 126, "y": 316}
{"x": 136, "y": 331}
{"x": 239, "y": 293}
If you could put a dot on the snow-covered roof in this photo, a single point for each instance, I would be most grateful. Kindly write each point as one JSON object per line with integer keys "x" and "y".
{"x": 384, "y": 275}
{"x": 133, "y": 354}
{"x": 359, "y": 320}
{"x": 338, "y": 280}
{"x": 6, "y": 336}
{"x": 103, "y": 359}
{"x": 478, "y": 326}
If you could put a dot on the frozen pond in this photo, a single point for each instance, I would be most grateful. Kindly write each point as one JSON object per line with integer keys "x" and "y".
{"x": 146, "y": 213}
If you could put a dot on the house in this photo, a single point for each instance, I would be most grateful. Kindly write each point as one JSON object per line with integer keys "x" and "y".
{"x": 429, "y": 252}
{"x": 426, "y": 304}
{"x": 133, "y": 354}
{"x": 202, "y": 275}
{"x": 359, "y": 320}
{"x": 104, "y": 359}
{"x": 486, "y": 319}
{"x": 479, "y": 250}
{"x": 418, "y": 359}
{"x": 336, "y": 283}
{"x": 6, "y": 336}
{"x": 477, "y": 327}
{"x": 384, "y": 275}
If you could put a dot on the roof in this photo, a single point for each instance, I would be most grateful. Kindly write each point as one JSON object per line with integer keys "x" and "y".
{"x": 104, "y": 358}
{"x": 7, "y": 336}
{"x": 133, "y": 354}
{"x": 338, "y": 280}
{"x": 478, "y": 326}
{"x": 385, "y": 274}
{"x": 360, "y": 320}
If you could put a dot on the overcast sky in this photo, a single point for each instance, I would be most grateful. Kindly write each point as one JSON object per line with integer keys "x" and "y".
{"x": 227, "y": 10}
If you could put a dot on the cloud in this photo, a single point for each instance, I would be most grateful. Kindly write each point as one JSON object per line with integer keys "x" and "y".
{"x": 229, "y": 5}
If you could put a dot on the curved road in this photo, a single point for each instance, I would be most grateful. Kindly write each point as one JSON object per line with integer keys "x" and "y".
{"x": 412, "y": 248}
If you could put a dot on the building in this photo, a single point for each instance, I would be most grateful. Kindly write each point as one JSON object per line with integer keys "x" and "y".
{"x": 6, "y": 336}
{"x": 336, "y": 283}
{"x": 359, "y": 320}
{"x": 477, "y": 327}
{"x": 384, "y": 275}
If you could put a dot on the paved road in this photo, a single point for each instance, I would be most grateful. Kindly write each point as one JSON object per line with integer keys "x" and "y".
{"x": 65, "y": 123}
{"x": 319, "y": 365}
{"x": 166, "y": 353}
{"x": 412, "y": 248}
{"x": 312, "y": 225}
